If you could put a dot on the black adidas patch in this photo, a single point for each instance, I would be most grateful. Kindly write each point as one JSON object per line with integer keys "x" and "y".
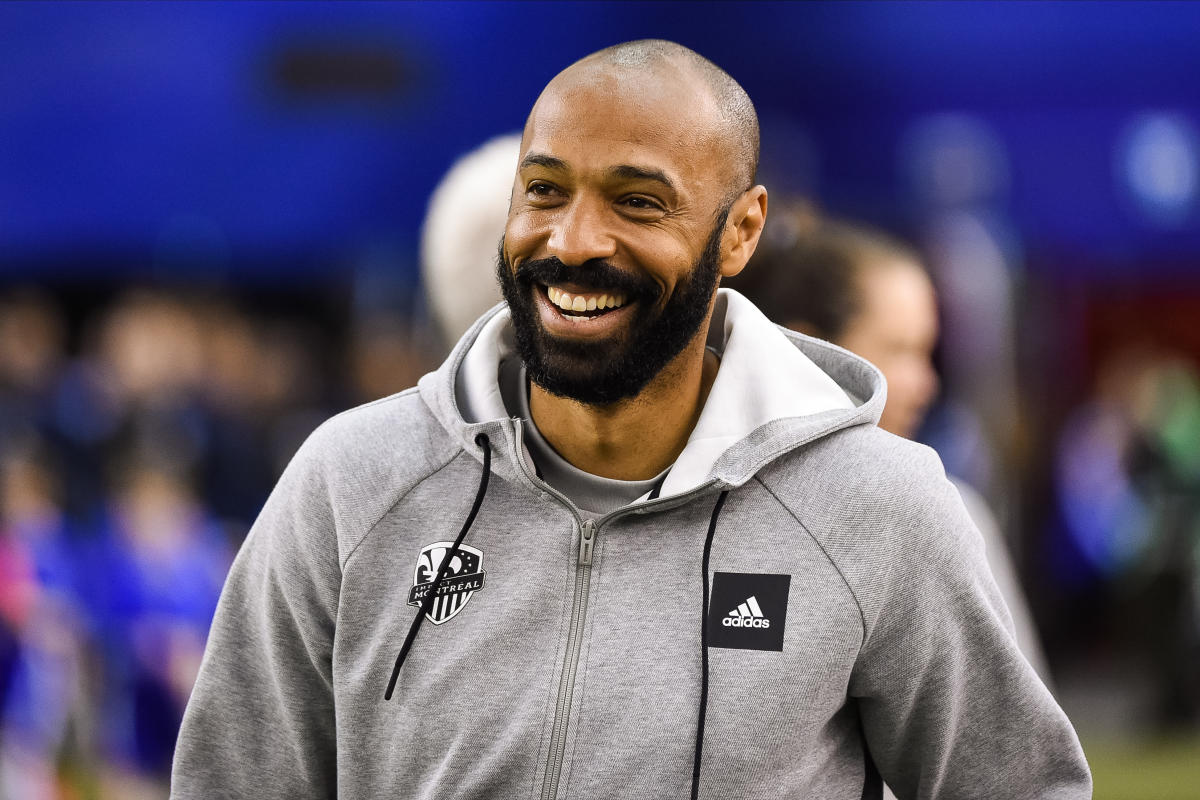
{"x": 747, "y": 610}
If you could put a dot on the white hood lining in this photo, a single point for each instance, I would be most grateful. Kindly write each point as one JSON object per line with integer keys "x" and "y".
{"x": 763, "y": 377}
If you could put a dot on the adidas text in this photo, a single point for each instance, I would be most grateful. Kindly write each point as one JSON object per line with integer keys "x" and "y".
{"x": 745, "y": 622}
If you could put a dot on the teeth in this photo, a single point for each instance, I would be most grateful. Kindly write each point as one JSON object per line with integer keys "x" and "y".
{"x": 579, "y": 302}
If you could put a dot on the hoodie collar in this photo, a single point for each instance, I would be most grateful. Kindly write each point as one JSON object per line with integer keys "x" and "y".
{"x": 773, "y": 391}
{"x": 763, "y": 377}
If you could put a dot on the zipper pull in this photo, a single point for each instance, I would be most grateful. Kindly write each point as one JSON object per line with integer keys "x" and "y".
{"x": 587, "y": 538}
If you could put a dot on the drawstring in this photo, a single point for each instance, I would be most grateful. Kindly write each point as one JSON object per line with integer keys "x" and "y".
{"x": 431, "y": 595}
{"x": 654, "y": 493}
{"x": 427, "y": 603}
{"x": 712, "y": 528}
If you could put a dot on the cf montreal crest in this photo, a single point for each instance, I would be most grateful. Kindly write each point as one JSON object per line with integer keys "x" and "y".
{"x": 463, "y": 578}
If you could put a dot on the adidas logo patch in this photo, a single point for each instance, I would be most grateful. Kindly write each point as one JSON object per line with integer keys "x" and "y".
{"x": 747, "y": 615}
{"x": 758, "y": 620}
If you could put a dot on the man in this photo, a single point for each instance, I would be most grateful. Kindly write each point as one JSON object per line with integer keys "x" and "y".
{"x": 630, "y": 540}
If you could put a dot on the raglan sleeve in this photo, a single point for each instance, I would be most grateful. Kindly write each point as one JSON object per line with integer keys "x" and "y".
{"x": 950, "y": 707}
{"x": 260, "y": 720}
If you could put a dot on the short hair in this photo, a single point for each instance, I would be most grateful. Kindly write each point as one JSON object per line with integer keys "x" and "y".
{"x": 814, "y": 278}
{"x": 735, "y": 107}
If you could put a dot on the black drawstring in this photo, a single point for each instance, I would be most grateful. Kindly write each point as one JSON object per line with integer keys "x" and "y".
{"x": 658, "y": 486}
{"x": 712, "y": 528}
{"x": 431, "y": 595}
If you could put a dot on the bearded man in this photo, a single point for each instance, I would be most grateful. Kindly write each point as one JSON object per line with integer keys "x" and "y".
{"x": 631, "y": 539}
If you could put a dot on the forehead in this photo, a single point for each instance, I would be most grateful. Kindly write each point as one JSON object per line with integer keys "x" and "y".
{"x": 606, "y": 118}
{"x": 898, "y": 294}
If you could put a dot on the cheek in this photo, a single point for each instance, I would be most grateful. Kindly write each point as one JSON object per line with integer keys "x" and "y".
{"x": 663, "y": 256}
{"x": 904, "y": 384}
{"x": 915, "y": 380}
{"x": 520, "y": 234}
{"x": 671, "y": 274}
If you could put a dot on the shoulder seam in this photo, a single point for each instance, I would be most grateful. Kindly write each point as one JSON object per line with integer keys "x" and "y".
{"x": 400, "y": 499}
{"x": 858, "y": 604}
{"x": 380, "y": 401}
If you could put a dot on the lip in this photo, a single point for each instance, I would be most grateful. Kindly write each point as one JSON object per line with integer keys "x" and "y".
{"x": 556, "y": 323}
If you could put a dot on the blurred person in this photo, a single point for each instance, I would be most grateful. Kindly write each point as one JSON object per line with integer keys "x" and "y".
{"x": 385, "y": 356}
{"x": 465, "y": 220}
{"x": 261, "y": 396}
{"x": 1127, "y": 479}
{"x": 241, "y": 399}
{"x": 136, "y": 378}
{"x": 152, "y": 343}
{"x": 959, "y": 177}
{"x": 153, "y": 578}
{"x": 231, "y": 395}
{"x": 45, "y": 709}
{"x": 32, "y": 349}
{"x": 33, "y": 333}
{"x": 870, "y": 293}
{"x": 289, "y": 381}
{"x": 693, "y": 559}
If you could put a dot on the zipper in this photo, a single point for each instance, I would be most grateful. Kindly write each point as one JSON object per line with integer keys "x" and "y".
{"x": 566, "y": 683}
{"x": 583, "y": 576}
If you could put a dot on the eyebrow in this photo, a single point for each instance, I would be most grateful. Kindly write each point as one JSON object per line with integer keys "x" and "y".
{"x": 630, "y": 172}
{"x": 540, "y": 160}
{"x": 622, "y": 171}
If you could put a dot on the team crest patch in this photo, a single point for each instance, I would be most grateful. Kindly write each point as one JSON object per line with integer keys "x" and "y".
{"x": 463, "y": 578}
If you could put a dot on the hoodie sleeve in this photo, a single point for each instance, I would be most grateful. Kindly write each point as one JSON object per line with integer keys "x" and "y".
{"x": 950, "y": 708}
{"x": 260, "y": 721}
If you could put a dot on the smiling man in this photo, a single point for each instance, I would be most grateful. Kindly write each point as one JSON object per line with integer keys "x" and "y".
{"x": 631, "y": 540}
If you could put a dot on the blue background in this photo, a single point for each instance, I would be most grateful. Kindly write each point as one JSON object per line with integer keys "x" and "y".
{"x": 131, "y": 133}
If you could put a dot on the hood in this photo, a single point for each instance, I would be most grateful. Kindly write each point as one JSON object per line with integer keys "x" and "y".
{"x": 776, "y": 390}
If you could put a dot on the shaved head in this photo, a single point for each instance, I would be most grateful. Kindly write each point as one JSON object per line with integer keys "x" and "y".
{"x": 728, "y": 108}
{"x": 633, "y": 197}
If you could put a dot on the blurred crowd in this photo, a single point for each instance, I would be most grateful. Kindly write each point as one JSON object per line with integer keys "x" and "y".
{"x": 139, "y": 436}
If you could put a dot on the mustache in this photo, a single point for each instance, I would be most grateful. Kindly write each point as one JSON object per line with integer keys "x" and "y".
{"x": 596, "y": 273}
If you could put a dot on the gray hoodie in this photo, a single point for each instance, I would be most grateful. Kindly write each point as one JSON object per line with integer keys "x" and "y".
{"x": 852, "y": 627}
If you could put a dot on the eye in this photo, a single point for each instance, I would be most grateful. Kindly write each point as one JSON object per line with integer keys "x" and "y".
{"x": 541, "y": 189}
{"x": 641, "y": 203}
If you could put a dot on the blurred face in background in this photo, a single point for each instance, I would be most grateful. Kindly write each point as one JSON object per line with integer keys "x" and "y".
{"x": 896, "y": 329}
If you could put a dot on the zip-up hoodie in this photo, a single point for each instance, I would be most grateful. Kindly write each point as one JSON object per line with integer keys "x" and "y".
{"x": 802, "y": 607}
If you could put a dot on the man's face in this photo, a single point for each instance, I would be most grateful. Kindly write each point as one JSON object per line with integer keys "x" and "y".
{"x": 612, "y": 250}
{"x": 896, "y": 330}
{"x": 604, "y": 369}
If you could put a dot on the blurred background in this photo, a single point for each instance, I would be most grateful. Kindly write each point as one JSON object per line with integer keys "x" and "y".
{"x": 211, "y": 235}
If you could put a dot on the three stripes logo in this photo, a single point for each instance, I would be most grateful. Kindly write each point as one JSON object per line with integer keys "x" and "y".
{"x": 747, "y": 615}
{"x": 748, "y": 610}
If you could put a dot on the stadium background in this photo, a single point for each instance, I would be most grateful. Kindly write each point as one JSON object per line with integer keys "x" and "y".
{"x": 209, "y": 219}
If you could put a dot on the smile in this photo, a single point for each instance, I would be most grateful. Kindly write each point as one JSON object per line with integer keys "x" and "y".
{"x": 584, "y": 304}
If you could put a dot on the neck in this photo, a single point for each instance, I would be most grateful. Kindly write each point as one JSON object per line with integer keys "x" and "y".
{"x": 633, "y": 439}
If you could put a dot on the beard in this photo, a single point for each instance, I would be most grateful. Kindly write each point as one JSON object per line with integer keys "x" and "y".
{"x": 602, "y": 372}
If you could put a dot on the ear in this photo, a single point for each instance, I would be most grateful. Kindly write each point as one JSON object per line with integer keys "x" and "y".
{"x": 747, "y": 216}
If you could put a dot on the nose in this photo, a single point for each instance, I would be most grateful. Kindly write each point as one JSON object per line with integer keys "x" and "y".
{"x": 580, "y": 234}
